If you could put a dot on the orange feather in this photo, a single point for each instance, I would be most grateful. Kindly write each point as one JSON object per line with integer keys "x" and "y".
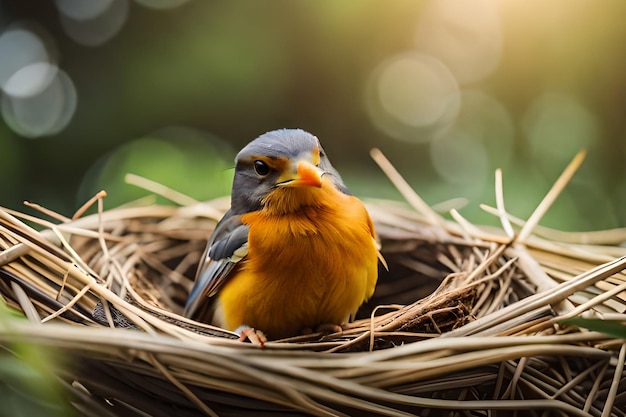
{"x": 312, "y": 259}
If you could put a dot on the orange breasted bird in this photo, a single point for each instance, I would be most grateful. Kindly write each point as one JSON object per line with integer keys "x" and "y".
{"x": 295, "y": 250}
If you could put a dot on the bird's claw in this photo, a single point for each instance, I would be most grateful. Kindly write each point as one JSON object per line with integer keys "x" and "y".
{"x": 256, "y": 337}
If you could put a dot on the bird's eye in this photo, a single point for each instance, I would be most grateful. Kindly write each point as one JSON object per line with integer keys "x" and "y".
{"x": 261, "y": 168}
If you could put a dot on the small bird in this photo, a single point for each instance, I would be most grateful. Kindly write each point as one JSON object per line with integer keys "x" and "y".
{"x": 295, "y": 250}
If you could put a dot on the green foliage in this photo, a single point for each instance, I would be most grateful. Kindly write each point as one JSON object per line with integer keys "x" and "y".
{"x": 615, "y": 328}
{"x": 197, "y": 165}
{"x": 28, "y": 385}
{"x": 239, "y": 69}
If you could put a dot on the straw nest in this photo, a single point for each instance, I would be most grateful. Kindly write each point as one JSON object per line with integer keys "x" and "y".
{"x": 468, "y": 321}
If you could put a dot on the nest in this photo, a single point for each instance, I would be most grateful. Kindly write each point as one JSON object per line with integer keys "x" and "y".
{"x": 469, "y": 320}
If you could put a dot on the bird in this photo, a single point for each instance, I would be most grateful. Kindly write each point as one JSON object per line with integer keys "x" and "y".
{"x": 295, "y": 252}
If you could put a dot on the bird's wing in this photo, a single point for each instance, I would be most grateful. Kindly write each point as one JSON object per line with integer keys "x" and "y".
{"x": 228, "y": 245}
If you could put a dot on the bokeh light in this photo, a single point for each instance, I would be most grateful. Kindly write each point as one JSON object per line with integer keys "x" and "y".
{"x": 43, "y": 114}
{"x": 27, "y": 66}
{"x": 92, "y": 23}
{"x": 465, "y": 35}
{"x": 487, "y": 120}
{"x": 38, "y": 98}
{"x": 413, "y": 97}
{"x": 460, "y": 159}
{"x": 448, "y": 90}
{"x": 30, "y": 80}
{"x": 480, "y": 141}
{"x": 82, "y": 9}
{"x": 557, "y": 126}
{"x": 161, "y": 4}
{"x": 187, "y": 160}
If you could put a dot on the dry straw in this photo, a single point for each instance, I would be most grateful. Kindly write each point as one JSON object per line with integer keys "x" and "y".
{"x": 467, "y": 321}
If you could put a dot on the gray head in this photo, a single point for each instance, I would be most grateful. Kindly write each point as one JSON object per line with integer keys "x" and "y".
{"x": 262, "y": 165}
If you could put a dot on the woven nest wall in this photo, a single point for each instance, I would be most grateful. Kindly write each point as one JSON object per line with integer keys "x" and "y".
{"x": 468, "y": 320}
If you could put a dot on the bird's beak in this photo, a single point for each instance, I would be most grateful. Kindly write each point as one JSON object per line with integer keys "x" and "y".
{"x": 306, "y": 175}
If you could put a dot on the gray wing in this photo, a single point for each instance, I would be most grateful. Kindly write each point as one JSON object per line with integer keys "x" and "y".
{"x": 228, "y": 245}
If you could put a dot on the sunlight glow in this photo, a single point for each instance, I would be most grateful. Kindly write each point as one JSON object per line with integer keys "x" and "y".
{"x": 413, "y": 97}
{"x": 465, "y": 35}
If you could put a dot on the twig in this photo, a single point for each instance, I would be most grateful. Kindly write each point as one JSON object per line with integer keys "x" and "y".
{"x": 617, "y": 376}
{"x": 551, "y": 196}
{"x": 405, "y": 189}
{"x": 160, "y": 189}
{"x": 99, "y": 195}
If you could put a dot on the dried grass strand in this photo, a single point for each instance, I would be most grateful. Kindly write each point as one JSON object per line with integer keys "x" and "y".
{"x": 617, "y": 376}
{"x": 501, "y": 210}
{"x": 551, "y": 196}
{"x": 405, "y": 189}
{"x": 507, "y": 295}
{"x": 157, "y": 188}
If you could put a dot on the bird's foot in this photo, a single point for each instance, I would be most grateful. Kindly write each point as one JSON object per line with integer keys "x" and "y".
{"x": 256, "y": 337}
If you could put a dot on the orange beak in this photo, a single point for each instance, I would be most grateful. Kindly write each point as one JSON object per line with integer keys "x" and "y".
{"x": 307, "y": 175}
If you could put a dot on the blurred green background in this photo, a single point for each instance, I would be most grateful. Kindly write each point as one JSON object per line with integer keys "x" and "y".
{"x": 448, "y": 90}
